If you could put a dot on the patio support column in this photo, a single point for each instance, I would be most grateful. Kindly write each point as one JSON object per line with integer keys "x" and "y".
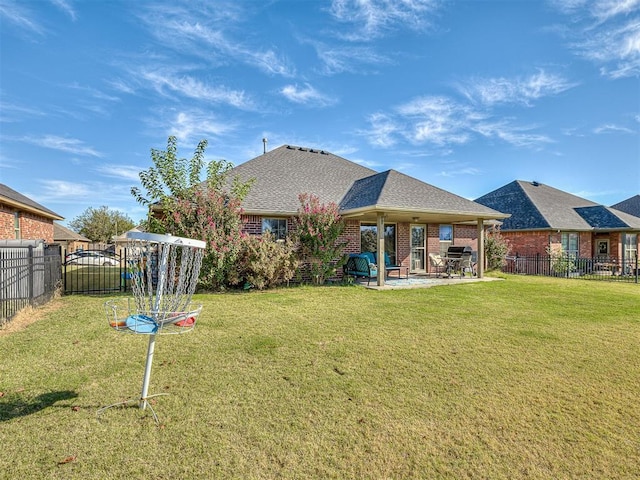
{"x": 480, "y": 259}
{"x": 381, "y": 272}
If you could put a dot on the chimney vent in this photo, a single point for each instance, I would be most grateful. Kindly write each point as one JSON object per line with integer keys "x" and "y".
{"x": 264, "y": 144}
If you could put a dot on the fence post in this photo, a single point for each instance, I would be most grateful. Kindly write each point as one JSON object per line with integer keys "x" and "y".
{"x": 30, "y": 272}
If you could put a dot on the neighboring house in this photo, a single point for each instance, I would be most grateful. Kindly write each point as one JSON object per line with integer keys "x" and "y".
{"x": 23, "y": 219}
{"x": 544, "y": 219}
{"x": 388, "y": 211}
{"x": 69, "y": 240}
{"x": 630, "y": 206}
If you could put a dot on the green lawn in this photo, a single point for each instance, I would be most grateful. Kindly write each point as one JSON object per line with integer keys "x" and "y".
{"x": 522, "y": 378}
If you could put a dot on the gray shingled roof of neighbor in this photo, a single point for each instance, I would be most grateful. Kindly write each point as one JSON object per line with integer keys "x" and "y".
{"x": 61, "y": 232}
{"x": 534, "y": 206}
{"x": 285, "y": 172}
{"x": 13, "y": 198}
{"x": 630, "y": 205}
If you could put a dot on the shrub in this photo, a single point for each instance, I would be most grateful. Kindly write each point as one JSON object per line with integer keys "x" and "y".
{"x": 496, "y": 249}
{"x": 317, "y": 229}
{"x": 264, "y": 263}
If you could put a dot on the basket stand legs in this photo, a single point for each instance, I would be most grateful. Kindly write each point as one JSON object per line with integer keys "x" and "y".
{"x": 143, "y": 402}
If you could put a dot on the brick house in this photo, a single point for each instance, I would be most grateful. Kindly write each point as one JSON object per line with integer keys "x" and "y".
{"x": 545, "y": 219}
{"x": 386, "y": 212}
{"x": 23, "y": 219}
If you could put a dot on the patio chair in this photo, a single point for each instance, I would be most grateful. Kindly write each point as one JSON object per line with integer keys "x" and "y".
{"x": 437, "y": 263}
{"x": 467, "y": 264}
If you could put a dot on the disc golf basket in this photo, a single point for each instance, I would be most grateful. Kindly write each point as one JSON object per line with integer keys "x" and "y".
{"x": 163, "y": 271}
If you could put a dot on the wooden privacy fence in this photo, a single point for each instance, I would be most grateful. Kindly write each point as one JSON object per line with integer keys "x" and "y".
{"x": 30, "y": 272}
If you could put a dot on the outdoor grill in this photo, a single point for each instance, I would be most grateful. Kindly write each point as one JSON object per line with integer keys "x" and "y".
{"x": 458, "y": 252}
{"x": 455, "y": 260}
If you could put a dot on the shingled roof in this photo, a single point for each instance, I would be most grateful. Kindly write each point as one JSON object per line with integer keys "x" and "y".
{"x": 21, "y": 202}
{"x": 630, "y": 206}
{"x": 282, "y": 174}
{"x": 534, "y": 206}
{"x": 287, "y": 171}
{"x": 62, "y": 233}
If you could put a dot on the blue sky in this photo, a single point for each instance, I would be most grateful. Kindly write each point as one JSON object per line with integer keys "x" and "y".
{"x": 464, "y": 95}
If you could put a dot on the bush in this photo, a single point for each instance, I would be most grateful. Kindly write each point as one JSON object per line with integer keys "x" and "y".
{"x": 317, "y": 229}
{"x": 496, "y": 250}
{"x": 264, "y": 263}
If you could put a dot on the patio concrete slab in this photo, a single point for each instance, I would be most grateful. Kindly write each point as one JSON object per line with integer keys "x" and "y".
{"x": 421, "y": 281}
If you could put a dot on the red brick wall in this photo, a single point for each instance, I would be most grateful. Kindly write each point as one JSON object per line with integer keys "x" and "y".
{"x": 32, "y": 227}
{"x": 7, "y": 230}
{"x": 403, "y": 250}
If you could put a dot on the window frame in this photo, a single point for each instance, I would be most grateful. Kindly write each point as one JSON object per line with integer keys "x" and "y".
{"x": 393, "y": 253}
{"x": 281, "y": 233}
{"x": 445, "y": 244}
{"x": 566, "y": 250}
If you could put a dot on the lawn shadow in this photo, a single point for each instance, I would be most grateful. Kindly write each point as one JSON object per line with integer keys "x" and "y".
{"x": 19, "y": 406}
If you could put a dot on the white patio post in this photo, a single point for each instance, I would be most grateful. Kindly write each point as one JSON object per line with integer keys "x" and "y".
{"x": 380, "y": 249}
{"x": 480, "y": 259}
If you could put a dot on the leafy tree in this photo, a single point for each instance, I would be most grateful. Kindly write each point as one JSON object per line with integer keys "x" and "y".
{"x": 101, "y": 224}
{"x": 172, "y": 179}
{"x": 496, "y": 249}
{"x": 317, "y": 230}
{"x": 182, "y": 204}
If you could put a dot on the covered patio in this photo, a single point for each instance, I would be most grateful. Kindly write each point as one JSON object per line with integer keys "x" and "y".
{"x": 417, "y": 209}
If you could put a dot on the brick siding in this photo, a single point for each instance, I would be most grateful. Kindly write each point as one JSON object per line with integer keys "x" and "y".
{"x": 32, "y": 227}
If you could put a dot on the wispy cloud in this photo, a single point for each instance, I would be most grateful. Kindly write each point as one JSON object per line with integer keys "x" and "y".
{"x": 63, "y": 144}
{"x": 519, "y": 90}
{"x": 199, "y": 30}
{"x": 610, "y": 128}
{"x": 16, "y": 14}
{"x": 123, "y": 172}
{"x": 196, "y": 125}
{"x": 15, "y": 113}
{"x": 375, "y": 18}
{"x": 60, "y": 190}
{"x": 443, "y": 122}
{"x": 189, "y": 86}
{"x": 383, "y": 130}
{"x": 66, "y": 7}
{"x": 456, "y": 171}
{"x": 306, "y": 95}
{"x": 607, "y": 32}
{"x": 346, "y": 58}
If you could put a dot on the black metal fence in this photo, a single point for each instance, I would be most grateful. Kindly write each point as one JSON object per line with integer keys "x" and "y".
{"x": 569, "y": 266}
{"x": 30, "y": 274}
{"x": 94, "y": 272}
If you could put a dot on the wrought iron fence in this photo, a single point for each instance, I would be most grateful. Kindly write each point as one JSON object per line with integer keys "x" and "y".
{"x": 94, "y": 272}
{"x": 30, "y": 274}
{"x": 569, "y": 266}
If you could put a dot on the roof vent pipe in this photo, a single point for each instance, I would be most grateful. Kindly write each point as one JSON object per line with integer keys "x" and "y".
{"x": 264, "y": 144}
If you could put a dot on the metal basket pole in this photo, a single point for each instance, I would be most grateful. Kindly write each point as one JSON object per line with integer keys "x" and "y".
{"x": 162, "y": 276}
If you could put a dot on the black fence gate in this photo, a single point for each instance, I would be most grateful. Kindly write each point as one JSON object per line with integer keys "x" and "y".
{"x": 30, "y": 274}
{"x": 94, "y": 272}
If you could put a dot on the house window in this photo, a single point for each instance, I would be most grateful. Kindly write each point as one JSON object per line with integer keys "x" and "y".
{"x": 446, "y": 238}
{"x": 276, "y": 226}
{"x": 630, "y": 247}
{"x": 570, "y": 243}
{"x": 16, "y": 224}
{"x": 369, "y": 239}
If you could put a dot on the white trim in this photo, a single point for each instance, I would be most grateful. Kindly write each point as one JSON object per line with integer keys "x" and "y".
{"x": 170, "y": 239}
